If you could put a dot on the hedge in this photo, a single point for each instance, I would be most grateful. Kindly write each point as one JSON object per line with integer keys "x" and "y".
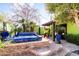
{"x": 72, "y": 38}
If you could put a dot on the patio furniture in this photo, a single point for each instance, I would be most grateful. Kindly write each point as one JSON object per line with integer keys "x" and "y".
{"x": 4, "y": 35}
{"x": 26, "y": 37}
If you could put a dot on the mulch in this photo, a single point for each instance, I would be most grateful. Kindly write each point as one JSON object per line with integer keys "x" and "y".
{"x": 16, "y": 50}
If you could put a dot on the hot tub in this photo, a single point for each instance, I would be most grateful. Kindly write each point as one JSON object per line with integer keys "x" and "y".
{"x": 26, "y": 37}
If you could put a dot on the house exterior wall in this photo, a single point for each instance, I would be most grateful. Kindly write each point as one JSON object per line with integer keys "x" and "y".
{"x": 72, "y": 28}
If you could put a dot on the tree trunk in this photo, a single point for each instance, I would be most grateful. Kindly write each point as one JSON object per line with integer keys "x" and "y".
{"x": 31, "y": 29}
{"x": 4, "y": 26}
{"x": 76, "y": 19}
{"x": 23, "y": 27}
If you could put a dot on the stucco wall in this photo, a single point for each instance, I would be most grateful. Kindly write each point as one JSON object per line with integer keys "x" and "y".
{"x": 72, "y": 28}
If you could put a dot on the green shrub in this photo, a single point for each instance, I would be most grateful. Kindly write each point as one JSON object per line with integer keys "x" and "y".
{"x": 73, "y": 38}
{"x": 1, "y": 44}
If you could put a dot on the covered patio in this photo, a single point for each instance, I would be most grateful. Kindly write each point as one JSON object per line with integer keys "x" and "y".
{"x": 52, "y": 22}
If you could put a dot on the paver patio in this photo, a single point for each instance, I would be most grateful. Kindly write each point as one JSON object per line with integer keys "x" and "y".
{"x": 67, "y": 49}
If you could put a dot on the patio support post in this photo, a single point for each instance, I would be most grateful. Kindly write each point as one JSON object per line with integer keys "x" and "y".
{"x": 53, "y": 31}
{"x": 66, "y": 29}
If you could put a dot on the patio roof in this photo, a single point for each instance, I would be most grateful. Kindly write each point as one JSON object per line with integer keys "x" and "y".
{"x": 48, "y": 23}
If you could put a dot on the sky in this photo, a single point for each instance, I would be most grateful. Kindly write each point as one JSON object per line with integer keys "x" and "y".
{"x": 45, "y": 16}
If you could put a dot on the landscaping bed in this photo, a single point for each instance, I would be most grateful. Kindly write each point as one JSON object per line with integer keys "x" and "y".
{"x": 22, "y": 49}
{"x": 15, "y": 50}
{"x": 37, "y": 48}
